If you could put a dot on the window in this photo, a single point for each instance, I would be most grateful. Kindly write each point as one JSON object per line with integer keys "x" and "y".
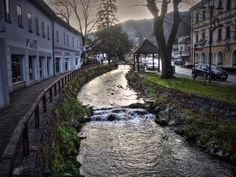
{"x": 197, "y": 40}
{"x": 48, "y": 32}
{"x": 37, "y": 26}
{"x": 203, "y": 35}
{"x": 228, "y": 5}
{"x": 66, "y": 64}
{"x": 57, "y": 36}
{"x": 19, "y": 15}
{"x": 77, "y": 44}
{"x": 29, "y": 18}
{"x": 76, "y": 61}
{"x": 228, "y": 32}
{"x": 67, "y": 39}
{"x": 16, "y": 68}
{"x": 57, "y": 64}
{"x": 48, "y": 65}
{"x": 219, "y": 34}
{"x": 43, "y": 29}
{"x": 203, "y": 15}
{"x": 197, "y": 17}
{"x": 73, "y": 41}
{"x": 235, "y": 32}
{"x": 7, "y": 11}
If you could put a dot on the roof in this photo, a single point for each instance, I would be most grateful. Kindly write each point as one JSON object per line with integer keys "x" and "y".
{"x": 41, "y": 5}
{"x": 146, "y": 47}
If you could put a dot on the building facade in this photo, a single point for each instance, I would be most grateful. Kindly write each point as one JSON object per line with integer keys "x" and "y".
{"x": 67, "y": 47}
{"x": 29, "y": 40}
{"x": 181, "y": 49}
{"x": 224, "y": 38}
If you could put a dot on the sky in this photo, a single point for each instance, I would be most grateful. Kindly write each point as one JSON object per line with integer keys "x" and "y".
{"x": 135, "y": 9}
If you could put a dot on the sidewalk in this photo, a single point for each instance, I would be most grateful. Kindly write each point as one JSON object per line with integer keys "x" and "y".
{"x": 21, "y": 102}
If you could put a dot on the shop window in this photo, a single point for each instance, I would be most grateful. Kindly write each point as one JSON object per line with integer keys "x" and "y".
{"x": 41, "y": 60}
{"x": 48, "y": 65}
{"x": 66, "y": 64}
{"x": 57, "y": 64}
{"x": 16, "y": 68}
{"x": 31, "y": 76}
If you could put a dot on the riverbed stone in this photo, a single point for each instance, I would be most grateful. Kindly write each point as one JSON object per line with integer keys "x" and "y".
{"x": 112, "y": 117}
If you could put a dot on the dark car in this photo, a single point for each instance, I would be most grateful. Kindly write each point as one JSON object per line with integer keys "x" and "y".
{"x": 179, "y": 62}
{"x": 202, "y": 70}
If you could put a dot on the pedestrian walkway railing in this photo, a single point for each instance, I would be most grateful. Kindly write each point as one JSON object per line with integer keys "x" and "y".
{"x": 19, "y": 141}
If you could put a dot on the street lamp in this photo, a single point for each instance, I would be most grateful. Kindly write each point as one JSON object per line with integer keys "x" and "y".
{"x": 214, "y": 24}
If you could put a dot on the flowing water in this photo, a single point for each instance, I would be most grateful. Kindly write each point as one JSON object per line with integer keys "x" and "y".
{"x": 133, "y": 145}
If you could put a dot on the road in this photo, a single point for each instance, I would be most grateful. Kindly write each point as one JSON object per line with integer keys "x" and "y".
{"x": 187, "y": 73}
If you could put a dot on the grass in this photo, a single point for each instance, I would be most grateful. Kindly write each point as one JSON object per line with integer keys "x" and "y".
{"x": 71, "y": 116}
{"x": 218, "y": 92}
{"x": 212, "y": 132}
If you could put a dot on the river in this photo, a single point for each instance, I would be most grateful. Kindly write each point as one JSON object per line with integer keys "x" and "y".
{"x": 134, "y": 145}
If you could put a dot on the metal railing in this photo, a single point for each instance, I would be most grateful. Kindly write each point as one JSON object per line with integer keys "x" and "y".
{"x": 19, "y": 141}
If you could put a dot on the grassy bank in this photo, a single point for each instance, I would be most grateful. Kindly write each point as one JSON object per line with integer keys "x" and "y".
{"x": 216, "y": 135}
{"x": 70, "y": 116}
{"x": 218, "y": 92}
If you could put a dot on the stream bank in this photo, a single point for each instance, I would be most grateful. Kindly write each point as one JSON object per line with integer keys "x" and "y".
{"x": 122, "y": 138}
{"x": 208, "y": 123}
{"x": 69, "y": 116}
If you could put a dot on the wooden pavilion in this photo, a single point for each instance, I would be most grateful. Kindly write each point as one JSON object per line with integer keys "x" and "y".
{"x": 145, "y": 48}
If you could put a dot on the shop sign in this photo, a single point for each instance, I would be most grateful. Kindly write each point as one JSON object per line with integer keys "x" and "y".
{"x": 31, "y": 43}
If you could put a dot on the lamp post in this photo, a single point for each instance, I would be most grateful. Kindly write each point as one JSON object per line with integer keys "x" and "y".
{"x": 214, "y": 24}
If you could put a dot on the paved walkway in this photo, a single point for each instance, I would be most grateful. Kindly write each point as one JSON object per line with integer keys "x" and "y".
{"x": 21, "y": 101}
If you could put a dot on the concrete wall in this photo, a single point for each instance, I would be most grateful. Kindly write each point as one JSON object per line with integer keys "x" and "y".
{"x": 4, "y": 92}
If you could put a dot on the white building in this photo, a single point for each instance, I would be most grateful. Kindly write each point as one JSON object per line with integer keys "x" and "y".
{"x": 28, "y": 31}
{"x": 181, "y": 49}
{"x": 67, "y": 47}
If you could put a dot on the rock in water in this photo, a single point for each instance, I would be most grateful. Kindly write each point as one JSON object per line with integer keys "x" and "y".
{"x": 111, "y": 117}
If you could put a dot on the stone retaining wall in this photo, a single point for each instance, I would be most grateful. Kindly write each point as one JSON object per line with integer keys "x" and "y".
{"x": 199, "y": 103}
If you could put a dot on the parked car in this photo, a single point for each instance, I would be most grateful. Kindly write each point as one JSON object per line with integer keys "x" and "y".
{"x": 179, "y": 62}
{"x": 149, "y": 66}
{"x": 202, "y": 70}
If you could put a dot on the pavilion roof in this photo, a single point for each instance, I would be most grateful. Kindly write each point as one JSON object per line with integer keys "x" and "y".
{"x": 146, "y": 47}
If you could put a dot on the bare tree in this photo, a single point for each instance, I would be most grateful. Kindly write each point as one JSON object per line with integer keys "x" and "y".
{"x": 62, "y": 9}
{"x": 81, "y": 12}
{"x": 165, "y": 45}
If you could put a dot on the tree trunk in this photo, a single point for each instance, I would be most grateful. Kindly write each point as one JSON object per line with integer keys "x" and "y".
{"x": 167, "y": 71}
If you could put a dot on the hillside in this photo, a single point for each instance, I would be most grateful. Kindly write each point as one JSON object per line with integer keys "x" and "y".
{"x": 139, "y": 29}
